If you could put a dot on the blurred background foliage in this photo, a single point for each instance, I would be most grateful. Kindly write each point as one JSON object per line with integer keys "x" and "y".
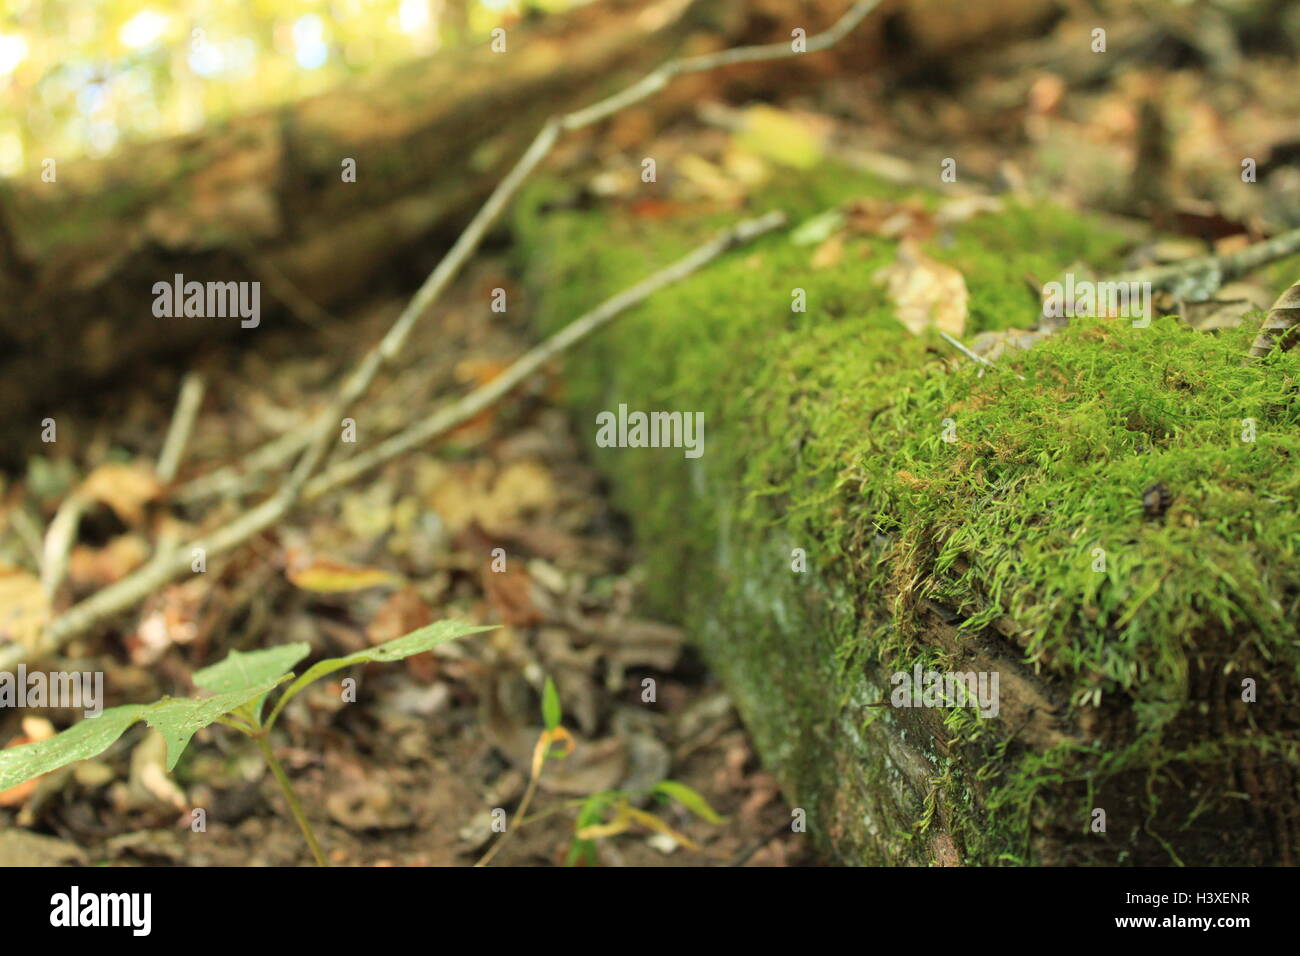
{"x": 79, "y": 77}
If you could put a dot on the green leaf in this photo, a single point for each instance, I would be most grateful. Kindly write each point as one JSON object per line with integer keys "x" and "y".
{"x": 89, "y": 738}
{"x": 551, "y": 712}
{"x": 240, "y": 679}
{"x": 180, "y": 718}
{"x": 240, "y": 670}
{"x": 688, "y": 798}
{"x": 177, "y": 720}
{"x": 417, "y": 642}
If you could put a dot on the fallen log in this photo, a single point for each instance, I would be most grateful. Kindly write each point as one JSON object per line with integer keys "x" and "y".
{"x": 940, "y": 594}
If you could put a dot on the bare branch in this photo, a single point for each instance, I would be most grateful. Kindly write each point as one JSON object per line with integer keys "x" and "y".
{"x": 182, "y": 426}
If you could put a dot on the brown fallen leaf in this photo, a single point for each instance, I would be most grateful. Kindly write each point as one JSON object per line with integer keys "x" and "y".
{"x": 24, "y": 607}
{"x": 829, "y": 253}
{"x": 926, "y": 294}
{"x": 92, "y": 568}
{"x": 510, "y": 593}
{"x": 1280, "y": 325}
{"x": 403, "y": 612}
{"x": 461, "y": 495}
{"x": 594, "y": 765}
{"x": 34, "y": 729}
{"x": 327, "y": 576}
{"x": 888, "y": 219}
{"x": 124, "y": 488}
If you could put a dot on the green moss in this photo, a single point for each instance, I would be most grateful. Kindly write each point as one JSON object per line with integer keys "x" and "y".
{"x": 824, "y": 431}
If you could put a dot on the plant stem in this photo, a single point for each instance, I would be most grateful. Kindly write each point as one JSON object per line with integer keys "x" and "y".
{"x": 539, "y": 760}
{"x": 294, "y": 806}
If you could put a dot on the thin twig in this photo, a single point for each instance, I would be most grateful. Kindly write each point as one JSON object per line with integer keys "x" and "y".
{"x": 182, "y": 426}
{"x": 170, "y": 563}
{"x": 317, "y": 437}
{"x": 300, "y": 305}
{"x": 245, "y": 475}
{"x": 59, "y": 539}
{"x": 971, "y": 355}
{"x": 535, "y": 358}
{"x": 1198, "y": 279}
{"x": 28, "y": 529}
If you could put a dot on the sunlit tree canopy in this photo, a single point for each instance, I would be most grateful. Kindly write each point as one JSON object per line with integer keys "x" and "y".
{"x": 78, "y": 78}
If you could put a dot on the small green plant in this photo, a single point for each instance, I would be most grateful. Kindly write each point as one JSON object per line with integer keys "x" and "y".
{"x": 605, "y": 813}
{"x": 240, "y": 685}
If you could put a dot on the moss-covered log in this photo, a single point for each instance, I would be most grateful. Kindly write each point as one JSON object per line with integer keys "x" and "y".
{"x": 1126, "y": 636}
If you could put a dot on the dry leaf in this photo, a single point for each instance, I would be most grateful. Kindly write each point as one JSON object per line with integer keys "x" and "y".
{"x": 93, "y": 568}
{"x": 781, "y": 136}
{"x": 1280, "y": 324}
{"x": 962, "y": 208}
{"x": 24, "y": 608}
{"x": 510, "y": 593}
{"x": 829, "y": 253}
{"x": 890, "y": 220}
{"x": 327, "y": 576}
{"x": 926, "y": 294}
{"x": 465, "y": 495}
{"x": 124, "y": 488}
{"x": 34, "y": 729}
{"x": 403, "y": 612}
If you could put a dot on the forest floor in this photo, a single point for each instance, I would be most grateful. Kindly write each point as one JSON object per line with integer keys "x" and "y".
{"x": 411, "y": 773}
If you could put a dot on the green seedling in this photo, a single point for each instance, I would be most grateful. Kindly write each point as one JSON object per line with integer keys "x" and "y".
{"x": 239, "y": 685}
{"x": 603, "y": 814}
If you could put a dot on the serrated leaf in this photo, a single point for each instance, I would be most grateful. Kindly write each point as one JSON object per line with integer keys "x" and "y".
{"x": 417, "y": 642}
{"x": 551, "y": 711}
{"x": 89, "y": 738}
{"x": 688, "y": 798}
